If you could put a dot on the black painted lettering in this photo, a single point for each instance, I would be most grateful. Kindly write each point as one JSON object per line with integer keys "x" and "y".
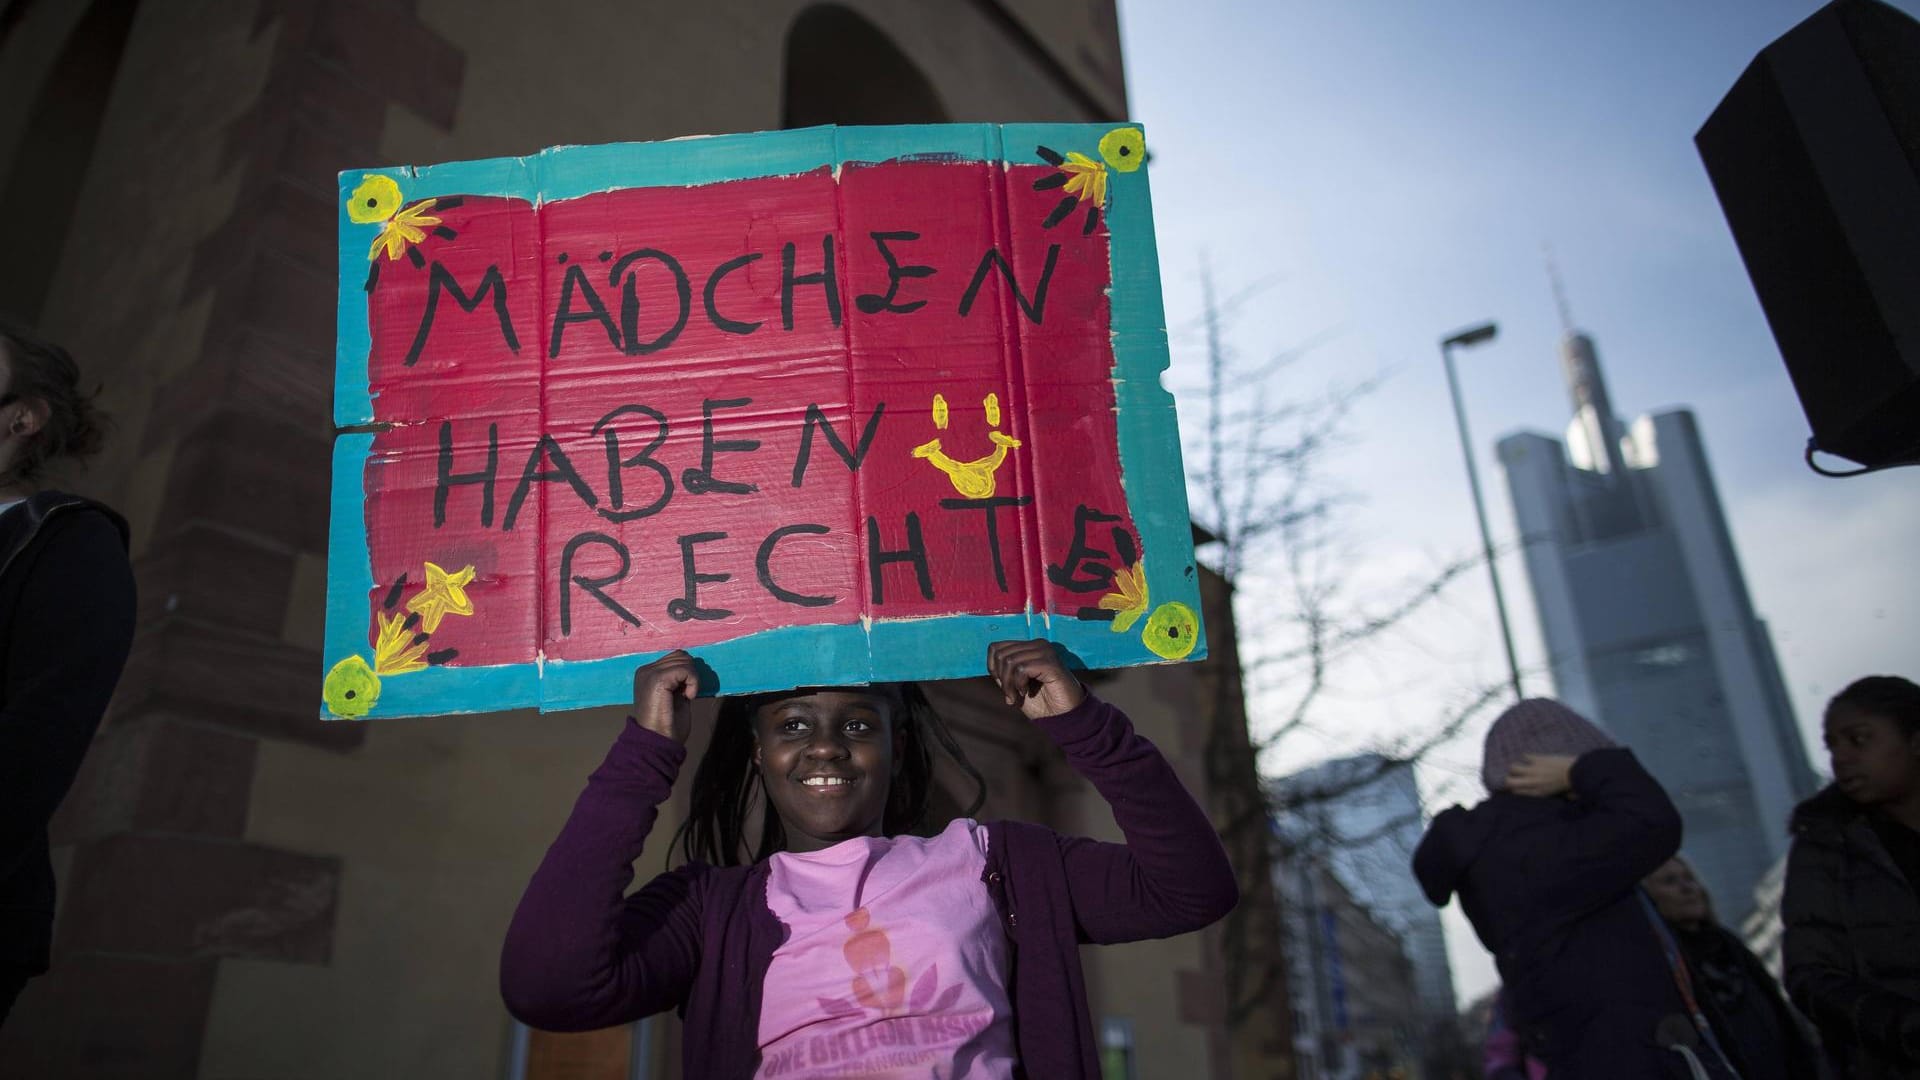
{"x": 562, "y": 470}
{"x": 763, "y": 565}
{"x": 439, "y": 280}
{"x": 592, "y": 586}
{"x": 686, "y": 607}
{"x": 446, "y": 479}
{"x": 630, "y": 300}
{"x": 816, "y": 418}
{"x": 991, "y": 507}
{"x": 616, "y": 508}
{"x": 872, "y": 303}
{"x": 915, "y": 552}
{"x": 1034, "y": 309}
{"x": 1084, "y": 569}
{"x": 731, "y": 326}
{"x": 576, "y": 282}
{"x": 701, "y": 481}
{"x": 825, "y": 279}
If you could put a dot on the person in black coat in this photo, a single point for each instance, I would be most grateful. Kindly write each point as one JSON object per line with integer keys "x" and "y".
{"x": 1851, "y": 906}
{"x": 1761, "y": 1034}
{"x": 1548, "y": 870}
{"x": 66, "y": 623}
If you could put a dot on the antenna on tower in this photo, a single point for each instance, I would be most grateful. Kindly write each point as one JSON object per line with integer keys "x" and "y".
{"x": 1559, "y": 289}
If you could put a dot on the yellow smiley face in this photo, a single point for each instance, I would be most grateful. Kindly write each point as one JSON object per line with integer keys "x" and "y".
{"x": 972, "y": 479}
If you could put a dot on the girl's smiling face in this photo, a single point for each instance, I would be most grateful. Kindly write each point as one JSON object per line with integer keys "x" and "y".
{"x": 1874, "y": 760}
{"x": 827, "y": 759}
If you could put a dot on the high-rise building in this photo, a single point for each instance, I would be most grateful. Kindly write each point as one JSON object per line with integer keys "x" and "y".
{"x": 1648, "y": 625}
{"x": 1356, "y": 1008}
{"x": 1762, "y": 929}
{"x": 1361, "y": 815}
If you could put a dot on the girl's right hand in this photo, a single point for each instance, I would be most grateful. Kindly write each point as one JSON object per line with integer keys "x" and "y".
{"x": 662, "y": 695}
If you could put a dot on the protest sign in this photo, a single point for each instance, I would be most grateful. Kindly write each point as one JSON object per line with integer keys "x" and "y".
{"x": 825, "y": 406}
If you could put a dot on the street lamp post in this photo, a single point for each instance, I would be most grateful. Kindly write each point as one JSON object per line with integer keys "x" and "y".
{"x": 1477, "y": 335}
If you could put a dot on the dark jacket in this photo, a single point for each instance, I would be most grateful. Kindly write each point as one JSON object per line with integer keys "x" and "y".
{"x": 1750, "y": 1016}
{"x": 580, "y": 954}
{"x": 1852, "y": 942}
{"x": 1552, "y": 889}
{"x": 66, "y": 622}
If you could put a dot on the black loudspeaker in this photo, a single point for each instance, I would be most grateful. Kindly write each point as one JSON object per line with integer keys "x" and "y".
{"x": 1815, "y": 156}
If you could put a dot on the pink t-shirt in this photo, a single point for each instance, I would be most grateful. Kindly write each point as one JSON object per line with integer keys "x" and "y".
{"x": 895, "y": 963}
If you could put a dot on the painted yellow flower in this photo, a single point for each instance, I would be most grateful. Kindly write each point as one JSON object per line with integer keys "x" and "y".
{"x": 1172, "y": 630}
{"x": 1086, "y": 178}
{"x": 1083, "y": 179}
{"x": 398, "y": 649}
{"x": 445, "y": 594}
{"x": 1124, "y": 148}
{"x": 1129, "y": 600}
{"x": 351, "y": 688}
{"x": 409, "y": 226}
{"x": 374, "y": 201}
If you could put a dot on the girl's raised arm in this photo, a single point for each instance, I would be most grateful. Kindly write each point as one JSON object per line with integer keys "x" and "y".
{"x": 1171, "y": 875}
{"x": 580, "y": 954}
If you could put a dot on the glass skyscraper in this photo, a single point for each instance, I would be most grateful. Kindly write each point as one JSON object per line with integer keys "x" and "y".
{"x": 1649, "y": 629}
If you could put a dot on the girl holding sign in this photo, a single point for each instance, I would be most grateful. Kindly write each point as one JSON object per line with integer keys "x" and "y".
{"x": 847, "y": 945}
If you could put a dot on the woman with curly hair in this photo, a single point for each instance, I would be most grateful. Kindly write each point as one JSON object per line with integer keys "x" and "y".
{"x": 66, "y": 622}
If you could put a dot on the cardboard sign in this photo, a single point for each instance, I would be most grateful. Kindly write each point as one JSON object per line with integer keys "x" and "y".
{"x": 827, "y": 406}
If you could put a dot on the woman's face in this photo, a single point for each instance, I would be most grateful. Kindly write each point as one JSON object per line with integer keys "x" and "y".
{"x": 827, "y": 761}
{"x": 1874, "y": 762}
{"x": 19, "y": 419}
{"x": 1681, "y": 898}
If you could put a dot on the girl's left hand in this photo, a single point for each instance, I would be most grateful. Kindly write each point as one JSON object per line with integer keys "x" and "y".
{"x": 1031, "y": 676}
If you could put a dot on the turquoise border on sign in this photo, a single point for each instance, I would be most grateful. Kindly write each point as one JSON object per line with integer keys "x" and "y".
{"x": 1149, "y": 437}
{"x": 349, "y": 621}
{"x": 885, "y": 650}
{"x": 353, "y": 338}
{"x": 349, "y": 563}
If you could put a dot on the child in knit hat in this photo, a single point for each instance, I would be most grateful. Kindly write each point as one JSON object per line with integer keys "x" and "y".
{"x": 1548, "y": 869}
{"x": 1533, "y": 745}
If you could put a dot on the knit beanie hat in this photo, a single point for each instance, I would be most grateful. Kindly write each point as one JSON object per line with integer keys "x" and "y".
{"x": 1536, "y": 726}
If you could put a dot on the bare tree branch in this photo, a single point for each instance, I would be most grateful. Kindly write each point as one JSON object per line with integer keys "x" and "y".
{"x": 1258, "y": 484}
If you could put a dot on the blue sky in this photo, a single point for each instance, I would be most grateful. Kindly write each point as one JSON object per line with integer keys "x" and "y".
{"x": 1394, "y": 169}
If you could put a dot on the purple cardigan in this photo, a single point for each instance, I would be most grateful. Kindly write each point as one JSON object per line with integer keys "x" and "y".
{"x": 581, "y": 954}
